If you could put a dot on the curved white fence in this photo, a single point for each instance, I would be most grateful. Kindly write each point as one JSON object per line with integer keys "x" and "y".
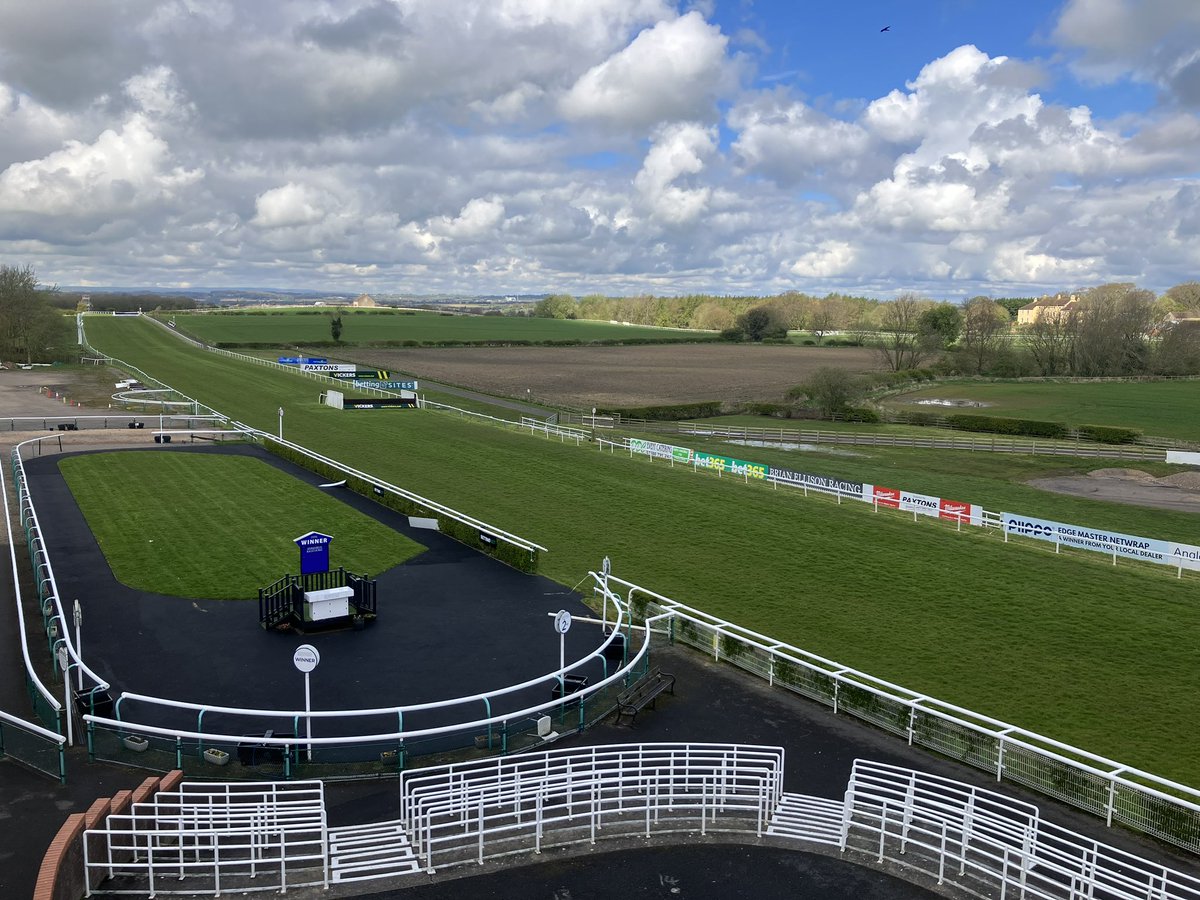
{"x": 214, "y": 838}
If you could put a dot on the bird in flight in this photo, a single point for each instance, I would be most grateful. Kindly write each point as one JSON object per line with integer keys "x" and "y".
{"x": 885, "y": 28}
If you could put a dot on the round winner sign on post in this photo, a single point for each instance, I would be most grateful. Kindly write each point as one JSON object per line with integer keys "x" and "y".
{"x": 562, "y": 622}
{"x": 306, "y": 658}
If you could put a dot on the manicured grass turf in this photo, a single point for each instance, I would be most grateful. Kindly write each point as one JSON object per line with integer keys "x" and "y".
{"x": 1160, "y": 408}
{"x": 293, "y": 327}
{"x": 205, "y": 526}
{"x": 1069, "y": 646}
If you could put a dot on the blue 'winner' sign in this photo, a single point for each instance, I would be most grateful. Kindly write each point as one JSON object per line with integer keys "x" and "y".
{"x": 314, "y": 552}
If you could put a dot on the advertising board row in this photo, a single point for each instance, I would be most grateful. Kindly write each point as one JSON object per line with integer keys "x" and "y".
{"x": 923, "y": 504}
{"x": 1171, "y": 553}
{"x": 1167, "y": 553}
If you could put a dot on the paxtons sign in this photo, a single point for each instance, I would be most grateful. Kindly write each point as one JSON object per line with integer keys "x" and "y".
{"x": 1135, "y": 547}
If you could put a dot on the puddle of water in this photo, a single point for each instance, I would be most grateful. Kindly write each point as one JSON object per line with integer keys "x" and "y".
{"x": 810, "y": 448}
{"x": 934, "y": 401}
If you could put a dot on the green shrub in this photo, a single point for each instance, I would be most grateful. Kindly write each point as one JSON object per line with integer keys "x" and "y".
{"x": 924, "y": 419}
{"x": 774, "y": 410}
{"x": 667, "y": 413}
{"x": 861, "y": 414}
{"x": 1108, "y": 434}
{"x": 1002, "y": 425}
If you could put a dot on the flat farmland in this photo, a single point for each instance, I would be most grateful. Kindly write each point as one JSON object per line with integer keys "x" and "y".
{"x": 620, "y": 376}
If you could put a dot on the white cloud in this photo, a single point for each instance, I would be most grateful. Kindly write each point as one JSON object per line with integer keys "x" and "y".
{"x": 674, "y": 70}
{"x": 119, "y": 172}
{"x": 677, "y": 151}
{"x": 1156, "y": 41}
{"x": 479, "y": 217}
{"x": 289, "y": 205}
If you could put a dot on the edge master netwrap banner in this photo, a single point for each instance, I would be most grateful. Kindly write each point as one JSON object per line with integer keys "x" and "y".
{"x": 1098, "y": 539}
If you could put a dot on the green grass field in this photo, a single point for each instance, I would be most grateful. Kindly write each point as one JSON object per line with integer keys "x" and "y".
{"x": 287, "y": 327}
{"x": 219, "y": 527}
{"x": 1161, "y": 408}
{"x": 1069, "y": 646}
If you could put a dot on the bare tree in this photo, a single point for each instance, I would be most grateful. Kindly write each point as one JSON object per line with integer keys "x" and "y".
{"x": 900, "y": 343}
{"x": 1114, "y": 323}
{"x": 1051, "y": 342}
{"x": 984, "y": 327}
{"x": 1184, "y": 297}
{"x": 821, "y": 319}
{"x": 29, "y": 326}
{"x": 830, "y": 390}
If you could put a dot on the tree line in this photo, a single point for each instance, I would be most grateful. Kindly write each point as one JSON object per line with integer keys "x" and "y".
{"x": 1113, "y": 329}
{"x": 31, "y": 328}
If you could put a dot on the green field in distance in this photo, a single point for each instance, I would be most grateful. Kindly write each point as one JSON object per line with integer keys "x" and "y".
{"x": 292, "y": 326}
{"x": 1160, "y": 408}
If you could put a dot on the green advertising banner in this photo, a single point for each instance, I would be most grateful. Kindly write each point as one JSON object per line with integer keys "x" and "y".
{"x": 730, "y": 465}
{"x": 661, "y": 451}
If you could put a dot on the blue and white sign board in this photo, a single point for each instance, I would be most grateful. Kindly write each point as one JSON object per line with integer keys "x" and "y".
{"x": 303, "y": 360}
{"x": 1167, "y": 553}
{"x": 314, "y": 552}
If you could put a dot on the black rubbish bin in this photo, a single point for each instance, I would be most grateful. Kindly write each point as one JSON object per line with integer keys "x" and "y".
{"x": 253, "y": 752}
{"x": 96, "y": 702}
{"x": 614, "y": 653}
{"x": 162, "y": 439}
{"x": 572, "y": 684}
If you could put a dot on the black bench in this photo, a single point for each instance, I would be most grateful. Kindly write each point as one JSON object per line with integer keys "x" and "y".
{"x": 644, "y": 693}
{"x": 67, "y": 426}
{"x": 136, "y": 425}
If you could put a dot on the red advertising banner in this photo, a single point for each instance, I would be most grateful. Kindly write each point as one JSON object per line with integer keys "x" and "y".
{"x": 955, "y": 511}
{"x": 885, "y": 496}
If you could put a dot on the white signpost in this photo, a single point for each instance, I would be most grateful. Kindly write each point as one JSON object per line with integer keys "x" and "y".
{"x": 64, "y": 663}
{"x": 306, "y": 658}
{"x": 79, "y": 638}
{"x": 281, "y": 423}
{"x": 562, "y": 624}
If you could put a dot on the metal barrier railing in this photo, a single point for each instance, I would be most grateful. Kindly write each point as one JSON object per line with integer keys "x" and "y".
{"x": 469, "y": 812}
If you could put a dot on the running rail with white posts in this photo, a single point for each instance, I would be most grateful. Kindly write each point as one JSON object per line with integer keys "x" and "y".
{"x": 1119, "y": 793}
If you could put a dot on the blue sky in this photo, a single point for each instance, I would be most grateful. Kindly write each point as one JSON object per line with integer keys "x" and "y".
{"x": 611, "y": 146}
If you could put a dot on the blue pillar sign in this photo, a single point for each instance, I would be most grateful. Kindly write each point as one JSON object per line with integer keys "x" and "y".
{"x": 314, "y": 552}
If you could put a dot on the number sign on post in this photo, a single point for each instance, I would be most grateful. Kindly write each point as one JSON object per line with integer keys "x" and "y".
{"x": 562, "y": 624}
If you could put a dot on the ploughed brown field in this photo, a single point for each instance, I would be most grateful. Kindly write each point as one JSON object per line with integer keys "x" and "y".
{"x": 620, "y": 376}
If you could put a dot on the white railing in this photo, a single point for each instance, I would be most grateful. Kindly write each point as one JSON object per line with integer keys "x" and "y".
{"x": 213, "y": 838}
{"x": 383, "y": 486}
{"x": 469, "y": 812}
{"x": 533, "y": 426}
{"x": 959, "y": 833}
{"x": 92, "y": 422}
{"x": 265, "y": 718}
{"x": 1119, "y": 793}
{"x": 43, "y": 572}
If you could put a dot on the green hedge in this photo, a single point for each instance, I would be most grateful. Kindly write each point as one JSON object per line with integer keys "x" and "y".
{"x": 1108, "y": 434}
{"x": 774, "y": 410}
{"x": 523, "y": 560}
{"x": 1001, "y": 425}
{"x": 860, "y": 414}
{"x": 660, "y": 413}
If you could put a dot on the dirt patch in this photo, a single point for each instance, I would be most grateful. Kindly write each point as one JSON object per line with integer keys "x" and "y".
{"x": 1134, "y": 487}
{"x": 621, "y": 376}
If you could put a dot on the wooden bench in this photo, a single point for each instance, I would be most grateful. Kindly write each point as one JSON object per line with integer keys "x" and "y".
{"x": 644, "y": 693}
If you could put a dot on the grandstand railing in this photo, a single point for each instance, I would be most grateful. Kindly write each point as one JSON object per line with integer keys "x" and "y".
{"x": 479, "y": 810}
{"x": 1118, "y": 793}
{"x": 980, "y": 839}
{"x": 213, "y": 838}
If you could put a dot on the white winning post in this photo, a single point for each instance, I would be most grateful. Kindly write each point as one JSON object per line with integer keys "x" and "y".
{"x": 79, "y": 638}
{"x": 562, "y": 624}
{"x": 306, "y": 659}
{"x": 64, "y": 663}
{"x": 281, "y": 423}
